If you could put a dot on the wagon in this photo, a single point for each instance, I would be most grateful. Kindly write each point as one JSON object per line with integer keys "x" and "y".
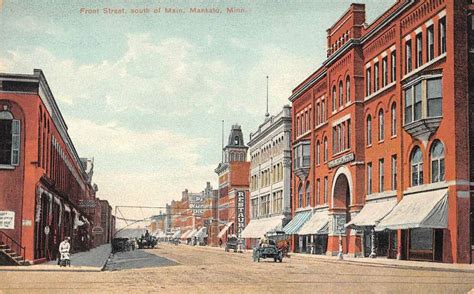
{"x": 120, "y": 245}
{"x": 269, "y": 251}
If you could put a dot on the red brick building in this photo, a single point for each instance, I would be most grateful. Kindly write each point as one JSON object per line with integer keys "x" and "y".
{"x": 381, "y": 135}
{"x": 233, "y": 173}
{"x": 42, "y": 179}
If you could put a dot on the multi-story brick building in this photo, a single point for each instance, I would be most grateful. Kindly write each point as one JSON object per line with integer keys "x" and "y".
{"x": 270, "y": 176}
{"x": 381, "y": 136}
{"x": 42, "y": 179}
{"x": 233, "y": 173}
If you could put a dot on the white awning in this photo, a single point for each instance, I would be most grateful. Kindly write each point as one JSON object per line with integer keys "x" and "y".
{"x": 420, "y": 210}
{"x": 259, "y": 227}
{"x": 201, "y": 233}
{"x": 224, "y": 230}
{"x": 177, "y": 234}
{"x": 192, "y": 234}
{"x": 372, "y": 213}
{"x": 317, "y": 224}
{"x": 185, "y": 235}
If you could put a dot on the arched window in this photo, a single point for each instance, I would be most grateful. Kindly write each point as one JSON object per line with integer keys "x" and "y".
{"x": 369, "y": 130}
{"x": 416, "y": 161}
{"x": 325, "y": 149}
{"x": 393, "y": 112}
{"x": 381, "y": 125}
{"x": 308, "y": 194}
{"x": 318, "y": 153}
{"x": 9, "y": 139}
{"x": 236, "y": 140}
{"x": 300, "y": 196}
{"x": 334, "y": 98}
{"x": 348, "y": 89}
{"x": 341, "y": 95}
{"x": 437, "y": 162}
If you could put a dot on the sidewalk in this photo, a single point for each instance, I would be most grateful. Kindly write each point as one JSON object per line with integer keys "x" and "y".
{"x": 87, "y": 261}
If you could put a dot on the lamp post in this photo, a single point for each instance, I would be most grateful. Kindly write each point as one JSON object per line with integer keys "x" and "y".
{"x": 372, "y": 244}
{"x": 339, "y": 255}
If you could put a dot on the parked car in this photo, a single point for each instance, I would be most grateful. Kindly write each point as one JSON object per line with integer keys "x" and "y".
{"x": 267, "y": 251}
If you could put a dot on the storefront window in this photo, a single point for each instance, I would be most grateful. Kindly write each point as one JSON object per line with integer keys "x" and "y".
{"x": 421, "y": 239}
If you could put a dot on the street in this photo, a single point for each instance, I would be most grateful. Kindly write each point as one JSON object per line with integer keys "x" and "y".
{"x": 187, "y": 269}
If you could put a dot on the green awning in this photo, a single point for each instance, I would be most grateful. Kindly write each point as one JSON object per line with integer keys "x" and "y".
{"x": 297, "y": 222}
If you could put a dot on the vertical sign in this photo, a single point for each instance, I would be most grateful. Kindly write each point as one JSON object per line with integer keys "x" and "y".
{"x": 240, "y": 212}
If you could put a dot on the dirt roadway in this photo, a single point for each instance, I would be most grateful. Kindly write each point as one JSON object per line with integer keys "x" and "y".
{"x": 207, "y": 270}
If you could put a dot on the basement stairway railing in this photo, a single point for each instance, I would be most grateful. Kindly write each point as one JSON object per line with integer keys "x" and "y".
{"x": 19, "y": 250}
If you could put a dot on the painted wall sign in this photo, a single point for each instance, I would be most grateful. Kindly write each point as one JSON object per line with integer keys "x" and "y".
{"x": 196, "y": 204}
{"x": 240, "y": 212}
{"x": 7, "y": 220}
{"x": 341, "y": 160}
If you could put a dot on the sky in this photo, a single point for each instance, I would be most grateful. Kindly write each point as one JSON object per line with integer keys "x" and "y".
{"x": 145, "y": 94}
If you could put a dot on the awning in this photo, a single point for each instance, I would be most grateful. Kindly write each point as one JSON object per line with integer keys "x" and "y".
{"x": 317, "y": 224}
{"x": 185, "y": 235}
{"x": 67, "y": 208}
{"x": 420, "y": 210}
{"x": 192, "y": 234}
{"x": 297, "y": 222}
{"x": 259, "y": 227}
{"x": 224, "y": 230}
{"x": 372, "y": 213}
{"x": 201, "y": 233}
{"x": 176, "y": 234}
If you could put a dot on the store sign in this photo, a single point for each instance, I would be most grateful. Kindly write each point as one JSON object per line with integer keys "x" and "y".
{"x": 341, "y": 160}
{"x": 196, "y": 204}
{"x": 7, "y": 220}
{"x": 240, "y": 212}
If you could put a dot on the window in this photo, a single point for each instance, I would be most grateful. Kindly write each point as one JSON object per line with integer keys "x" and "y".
{"x": 434, "y": 97}
{"x": 369, "y": 178}
{"x": 367, "y": 82}
{"x": 415, "y": 95}
{"x": 325, "y": 190}
{"x": 384, "y": 72}
{"x": 348, "y": 89}
{"x": 254, "y": 208}
{"x": 369, "y": 130}
{"x": 381, "y": 175}
{"x": 300, "y": 196}
{"x": 323, "y": 111}
{"x": 318, "y": 154}
{"x": 437, "y": 162}
{"x": 341, "y": 94}
{"x": 381, "y": 125}
{"x": 430, "y": 43}
{"x": 393, "y": 113}
{"x": 325, "y": 149}
{"x": 408, "y": 60}
{"x": 393, "y": 66}
{"x": 442, "y": 35}
{"x": 394, "y": 172}
{"x": 334, "y": 98}
{"x": 308, "y": 194}
{"x": 317, "y": 119}
{"x": 9, "y": 139}
{"x": 416, "y": 167}
{"x": 348, "y": 134}
{"x": 318, "y": 190}
{"x": 376, "y": 77}
{"x": 419, "y": 50}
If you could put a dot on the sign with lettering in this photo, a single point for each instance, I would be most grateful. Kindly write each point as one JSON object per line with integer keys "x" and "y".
{"x": 240, "y": 212}
{"x": 341, "y": 160}
{"x": 7, "y": 220}
{"x": 196, "y": 204}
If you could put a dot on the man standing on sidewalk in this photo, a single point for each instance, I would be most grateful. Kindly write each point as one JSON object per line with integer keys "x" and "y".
{"x": 64, "y": 248}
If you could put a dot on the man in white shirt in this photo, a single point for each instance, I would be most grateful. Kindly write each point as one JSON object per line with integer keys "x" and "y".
{"x": 64, "y": 248}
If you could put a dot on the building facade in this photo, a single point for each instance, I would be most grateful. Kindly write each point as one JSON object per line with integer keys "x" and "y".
{"x": 42, "y": 178}
{"x": 270, "y": 176}
{"x": 233, "y": 178}
{"x": 381, "y": 150}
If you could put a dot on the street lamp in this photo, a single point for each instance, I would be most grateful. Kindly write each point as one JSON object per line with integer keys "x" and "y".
{"x": 339, "y": 255}
{"x": 372, "y": 244}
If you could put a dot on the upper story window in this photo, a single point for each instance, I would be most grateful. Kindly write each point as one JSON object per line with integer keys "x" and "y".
{"x": 437, "y": 162}
{"x": 341, "y": 95}
{"x": 430, "y": 43}
{"x": 408, "y": 59}
{"x": 384, "y": 72}
{"x": 302, "y": 155}
{"x": 300, "y": 196}
{"x": 9, "y": 139}
{"x": 318, "y": 153}
{"x": 381, "y": 125}
{"x": 367, "y": 82}
{"x": 308, "y": 194}
{"x": 393, "y": 66}
{"x": 393, "y": 114}
{"x": 442, "y": 35}
{"x": 376, "y": 77}
{"x": 348, "y": 89}
{"x": 369, "y": 178}
{"x": 381, "y": 175}
{"x": 419, "y": 49}
{"x": 369, "y": 130}
{"x": 425, "y": 94}
{"x": 325, "y": 149}
{"x": 334, "y": 98}
{"x": 323, "y": 111}
{"x": 416, "y": 162}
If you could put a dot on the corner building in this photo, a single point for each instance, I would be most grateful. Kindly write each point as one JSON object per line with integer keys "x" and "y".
{"x": 381, "y": 136}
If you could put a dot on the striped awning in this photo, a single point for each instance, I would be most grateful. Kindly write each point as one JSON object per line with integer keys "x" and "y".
{"x": 317, "y": 225}
{"x": 185, "y": 235}
{"x": 190, "y": 235}
{"x": 224, "y": 230}
{"x": 297, "y": 222}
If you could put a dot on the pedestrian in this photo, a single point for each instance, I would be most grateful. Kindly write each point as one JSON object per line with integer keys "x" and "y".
{"x": 64, "y": 248}
{"x": 220, "y": 242}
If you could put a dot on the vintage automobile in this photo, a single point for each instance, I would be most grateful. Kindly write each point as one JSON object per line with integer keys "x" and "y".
{"x": 147, "y": 242}
{"x": 232, "y": 244}
{"x": 282, "y": 241}
{"x": 267, "y": 251}
{"x": 120, "y": 245}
